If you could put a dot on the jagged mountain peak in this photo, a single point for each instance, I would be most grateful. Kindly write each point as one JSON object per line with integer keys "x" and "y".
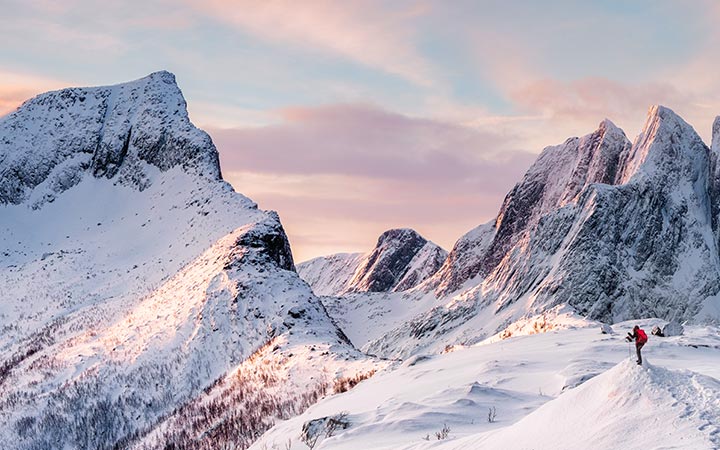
{"x": 662, "y": 121}
{"x": 661, "y": 112}
{"x": 608, "y": 126}
{"x": 398, "y": 234}
{"x": 666, "y": 147}
{"x": 557, "y": 178}
{"x": 401, "y": 260}
{"x": 385, "y": 266}
{"x": 125, "y": 132}
{"x": 162, "y": 75}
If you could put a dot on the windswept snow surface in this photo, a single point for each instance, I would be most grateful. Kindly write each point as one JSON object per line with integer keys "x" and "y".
{"x": 629, "y": 406}
{"x": 567, "y": 389}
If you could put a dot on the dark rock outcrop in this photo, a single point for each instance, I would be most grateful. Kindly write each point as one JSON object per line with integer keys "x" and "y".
{"x": 401, "y": 260}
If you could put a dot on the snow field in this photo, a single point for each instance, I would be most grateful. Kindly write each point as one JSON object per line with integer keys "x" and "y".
{"x": 561, "y": 389}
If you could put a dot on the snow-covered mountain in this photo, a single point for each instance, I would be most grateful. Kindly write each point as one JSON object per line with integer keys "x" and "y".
{"x": 556, "y": 179}
{"x": 136, "y": 284}
{"x": 125, "y": 133}
{"x": 401, "y": 260}
{"x": 597, "y": 228}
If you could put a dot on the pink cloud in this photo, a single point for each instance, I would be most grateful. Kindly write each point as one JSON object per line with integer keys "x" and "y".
{"x": 325, "y": 214}
{"x": 582, "y": 102}
{"x": 361, "y": 140}
{"x": 595, "y": 96}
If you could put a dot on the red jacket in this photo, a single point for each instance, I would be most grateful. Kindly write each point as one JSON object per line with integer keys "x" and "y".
{"x": 640, "y": 336}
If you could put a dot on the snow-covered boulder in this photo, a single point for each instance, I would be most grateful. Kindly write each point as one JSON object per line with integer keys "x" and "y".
{"x": 673, "y": 328}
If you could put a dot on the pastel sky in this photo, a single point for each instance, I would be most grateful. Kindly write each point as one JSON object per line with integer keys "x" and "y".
{"x": 352, "y": 117}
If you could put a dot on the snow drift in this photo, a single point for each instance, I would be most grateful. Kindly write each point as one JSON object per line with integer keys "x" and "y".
{"x": 628, "y": 406}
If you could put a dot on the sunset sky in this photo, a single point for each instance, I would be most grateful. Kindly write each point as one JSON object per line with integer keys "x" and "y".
{"x": 352, "y": 117}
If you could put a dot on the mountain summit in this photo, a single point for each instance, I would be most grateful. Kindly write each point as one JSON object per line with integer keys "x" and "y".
{"x": 401, "y": 260}
{"x": 127, "y": 133}
{"x": 138, "y": 286}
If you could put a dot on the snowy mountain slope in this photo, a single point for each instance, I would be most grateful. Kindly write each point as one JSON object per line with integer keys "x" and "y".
{"x": 560, "y": 382}
{"x": 461, "y": 264}
{"x": 385, "y": 310}
{"x": 330, "y": 275}
{"x": 608, "y": 230}
{"x": 282, "y": 378}
{"x": 133, "y": 287}
{"x": 401, "y": 260}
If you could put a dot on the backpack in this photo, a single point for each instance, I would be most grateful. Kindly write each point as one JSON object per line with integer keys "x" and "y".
{"x": 641, "y": 337}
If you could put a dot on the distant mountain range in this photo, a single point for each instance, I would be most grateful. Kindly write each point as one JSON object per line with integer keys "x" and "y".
{"x": 401, "y": 260}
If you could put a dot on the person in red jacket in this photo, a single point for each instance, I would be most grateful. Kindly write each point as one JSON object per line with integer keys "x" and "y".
{"x": 638, "y": 335}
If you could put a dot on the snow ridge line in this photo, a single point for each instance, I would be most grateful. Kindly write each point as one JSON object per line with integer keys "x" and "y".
{"x": 699, "y": 394}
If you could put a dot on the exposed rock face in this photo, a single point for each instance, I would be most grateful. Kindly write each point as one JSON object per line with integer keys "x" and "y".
{"x": 616, "y": 231}
{"x": 556, "y": 179}
{"x": 389, "y": 261}
{"x": 271, "y": 241}
{"x": 645, "y": 247}
{"x": 120, "y": 132}
{"x": 401, "y": 260}
{"x": 464, "y": 261}
{"x": 424, "y": 264}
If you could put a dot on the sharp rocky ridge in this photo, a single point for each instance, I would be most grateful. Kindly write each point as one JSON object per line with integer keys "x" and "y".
{"x": 401, "y": 260}
{"x": 598, "y": 227}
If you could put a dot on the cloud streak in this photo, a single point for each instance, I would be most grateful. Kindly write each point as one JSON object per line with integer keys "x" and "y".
{"x": 363, "y": 140}
{"x": 348, "y": 172}
{"x": 367, "y": 32}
